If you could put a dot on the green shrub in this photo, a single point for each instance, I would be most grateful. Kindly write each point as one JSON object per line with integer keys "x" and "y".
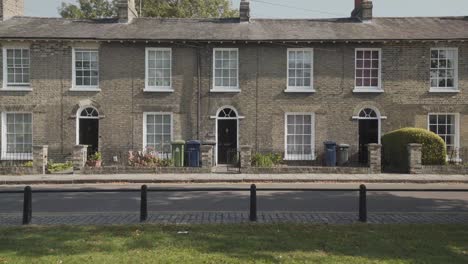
{"x": 266, "y": 160}
{"x": 395, "y": 154}
{"x": 95, "y": 157}
{"x": 57, "y": 167}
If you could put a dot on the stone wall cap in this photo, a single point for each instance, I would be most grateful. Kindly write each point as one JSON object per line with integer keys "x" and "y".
{"x": 414, "y": 145}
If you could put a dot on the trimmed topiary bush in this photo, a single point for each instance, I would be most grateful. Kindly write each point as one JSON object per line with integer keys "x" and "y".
{"x": 395, "y": 154}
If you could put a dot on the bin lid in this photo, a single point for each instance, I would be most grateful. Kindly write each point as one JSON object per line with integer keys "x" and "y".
{"x": 178, "y": 142}
{"x": 330, "y": 143}
{"x": 343, "y": 146}
{"x": 194, "y": 142}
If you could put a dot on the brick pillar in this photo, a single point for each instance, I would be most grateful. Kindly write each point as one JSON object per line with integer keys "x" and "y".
{"x": 246, "y": 156}
{"x": 80, "y": 156}
{"x": 414, "y": 158}
{"x": 40, "y": 157}
{"x": 207, "y": 156}
{"x": 375, "y": 158}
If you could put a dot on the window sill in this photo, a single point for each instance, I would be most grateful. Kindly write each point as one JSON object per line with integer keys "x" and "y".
{"x": 20, "y": 157}
{"x": 225, "y": 90}
{"x": 16, "y": 89}
{"x": 82, "y": 89}
{"x": 299, "y": 158}
{"x": 299, "y": 90}
{"x": 368, "y": 90}
{"x": 443, "y": 90}
{"x": 158, "y": 90}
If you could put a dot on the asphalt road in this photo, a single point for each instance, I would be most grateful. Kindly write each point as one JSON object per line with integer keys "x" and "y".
{"x": 238, "y": 201}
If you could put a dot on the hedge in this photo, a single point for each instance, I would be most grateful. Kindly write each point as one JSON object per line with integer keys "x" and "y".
{"x": 395, "y": 154}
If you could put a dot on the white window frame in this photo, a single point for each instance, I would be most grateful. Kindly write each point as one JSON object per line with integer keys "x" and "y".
{"x": 368, "y": 89}
{"x": 149, "y": 88}
{"x": 292, "y": 158}
{"x": 84, "y": 88}
{"x": 19, "y": 86}
{"x": 14, "y": 156}
{"x": 455, "y": 88}
{"x": 145, "y": 118}
{"x": 301, "y": 89}
{"x": 457, "y": 132}
{"x": 225, "y": 89}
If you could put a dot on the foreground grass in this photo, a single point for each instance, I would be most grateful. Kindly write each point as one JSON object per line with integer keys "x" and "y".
{"x": 236, "y": 244}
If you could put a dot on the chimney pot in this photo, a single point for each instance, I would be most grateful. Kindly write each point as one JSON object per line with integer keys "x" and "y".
{"x": 244, "y": 11}
{"x": 126, "y": 10}
{"x": 11, "y": 8}
{"x": 362, "y": 9}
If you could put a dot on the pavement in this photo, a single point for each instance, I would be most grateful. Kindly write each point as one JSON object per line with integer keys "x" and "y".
{"x": 229, "y": 178}
{"x": 227, "y": 207}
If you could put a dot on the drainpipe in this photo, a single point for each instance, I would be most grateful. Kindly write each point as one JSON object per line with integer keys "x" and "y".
{"x": 198, "y": 92}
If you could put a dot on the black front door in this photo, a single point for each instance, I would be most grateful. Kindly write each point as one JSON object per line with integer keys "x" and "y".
{"x": 227, "y": 140}
{"x": 89, "y": 134}
{"x": 368, "y": 133}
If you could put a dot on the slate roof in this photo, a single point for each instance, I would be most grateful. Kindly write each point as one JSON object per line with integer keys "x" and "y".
{"x": 409, "y": 28}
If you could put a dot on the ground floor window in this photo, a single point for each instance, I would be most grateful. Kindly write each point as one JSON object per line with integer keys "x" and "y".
{"x": 299, "y": 136}
{"x": 157, "y": 133}
{"x": 446, "y": 126}
{"x": 16, "y": 136}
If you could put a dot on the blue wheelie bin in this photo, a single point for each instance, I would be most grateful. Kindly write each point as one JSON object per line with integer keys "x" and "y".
{"x": 193, "y": 153}
{"x": 330, "y": 153}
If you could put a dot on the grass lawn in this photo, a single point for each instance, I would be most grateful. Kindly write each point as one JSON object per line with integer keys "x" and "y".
{"x": 236, "y": 244}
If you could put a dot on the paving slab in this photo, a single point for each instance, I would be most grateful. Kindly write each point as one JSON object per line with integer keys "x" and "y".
{"x": 230, "y": 178}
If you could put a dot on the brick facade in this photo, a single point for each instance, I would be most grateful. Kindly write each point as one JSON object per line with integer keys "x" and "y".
{"x": 262, "y": 102}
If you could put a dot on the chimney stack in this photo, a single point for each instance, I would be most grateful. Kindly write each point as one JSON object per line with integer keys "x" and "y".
{"x": 362, "y": 9}
{"x": 244, "y": 11}
{"x": 126, "y": 11}
{"x": 11, "y": 8}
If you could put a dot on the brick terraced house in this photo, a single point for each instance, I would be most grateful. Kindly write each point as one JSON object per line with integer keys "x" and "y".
{"x": 278, "y": 85}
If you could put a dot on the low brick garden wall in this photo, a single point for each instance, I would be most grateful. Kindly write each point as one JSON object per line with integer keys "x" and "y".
{"x": 16, "y": 170}
{"x": 138, "y": 170}
{"x": 447, "y": 170}
{"x": 303, "y": 169}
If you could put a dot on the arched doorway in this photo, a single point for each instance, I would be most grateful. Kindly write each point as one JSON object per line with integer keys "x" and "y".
{"x": 369, "y": 131}
{"x": 87, "y": 125}
{"x": 227, "y": 136}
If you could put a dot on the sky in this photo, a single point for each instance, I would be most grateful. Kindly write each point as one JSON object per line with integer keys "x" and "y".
{"x": 308, "y": 8}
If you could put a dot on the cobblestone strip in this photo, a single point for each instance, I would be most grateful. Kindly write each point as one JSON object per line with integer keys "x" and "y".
{"x": 184, "y": 218}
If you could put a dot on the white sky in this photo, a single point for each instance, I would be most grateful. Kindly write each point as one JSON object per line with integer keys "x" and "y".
{"x": 309, "y": 8}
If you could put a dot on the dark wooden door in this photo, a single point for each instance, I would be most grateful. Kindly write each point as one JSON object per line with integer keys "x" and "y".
{"x": 89, "y": 134}
{"x": 227, "y": 140}
{"x": 368, "y": 133}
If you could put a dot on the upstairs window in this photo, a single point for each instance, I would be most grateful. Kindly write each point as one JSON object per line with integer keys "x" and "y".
{"x": 368, "y": 70}
{"x": 444, "y": 69}
{"x": 300, "y": 70}
{"x": 85, "y": 69}
{"x": 225, "y": 70}
{"x": 158, "y": 70}
{"x": 16, "y": 66}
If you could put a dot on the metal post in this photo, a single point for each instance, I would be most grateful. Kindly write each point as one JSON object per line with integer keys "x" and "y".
{"x": 27, "y": 206}
{"x": 363, "y": 203}
{"x": 144, "y": 203}
{"x": 253, "y": 203}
